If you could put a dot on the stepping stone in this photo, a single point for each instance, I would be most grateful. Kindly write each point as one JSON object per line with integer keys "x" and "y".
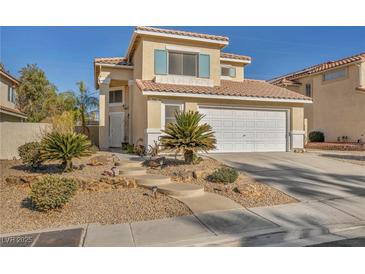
{"x": 130, "y": 164}
{"x": 209, "y": 202}
{"x": 132, "y": 171}
{"x": 181, "y": 190}
{"x": 150, "y": 180}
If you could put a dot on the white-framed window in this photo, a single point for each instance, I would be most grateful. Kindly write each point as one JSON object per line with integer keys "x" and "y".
{"x": 116, "y": 97}
{"x": 168, "y": 112}
{"x": 334, "y": 74}
{"x": 11, "y": 94}
{"x": 308, "y": 90}
{"x": 228, "y": 71}
{"x": 181, "y": 63}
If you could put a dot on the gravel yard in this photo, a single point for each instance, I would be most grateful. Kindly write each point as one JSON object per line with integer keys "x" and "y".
{"x": 245, "y": 191}
{"x": 105, "y": 205}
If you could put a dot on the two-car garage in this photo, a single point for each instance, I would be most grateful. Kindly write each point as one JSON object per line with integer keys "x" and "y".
{"x": 248, "y": 130}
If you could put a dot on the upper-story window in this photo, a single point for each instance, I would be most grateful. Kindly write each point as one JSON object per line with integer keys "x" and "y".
{"x": 116, "y": 96}
{"x": 183, "y": 64}
{"x": 308, "y": 90}
{"x": 228, "y": 71}
{"x": 11, "y": 94}
{"x": 334, "y": 74}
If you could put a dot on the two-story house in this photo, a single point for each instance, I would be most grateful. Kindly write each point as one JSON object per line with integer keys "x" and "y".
{"x": 338, "y": 92}
{"x": 8, "y": 109}
{"x": 165, "y": 71}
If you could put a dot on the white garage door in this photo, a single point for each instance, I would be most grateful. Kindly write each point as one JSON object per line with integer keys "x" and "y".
{"x": 246, "y": 130}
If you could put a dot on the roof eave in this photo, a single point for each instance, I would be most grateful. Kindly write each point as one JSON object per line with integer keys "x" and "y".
{"x": 222, "y": 43}
{"x": 304, "y": 74}
{"x": 228, "y": 97}
{"x": 10, "y": 77}
{"x": 235, "y": 60}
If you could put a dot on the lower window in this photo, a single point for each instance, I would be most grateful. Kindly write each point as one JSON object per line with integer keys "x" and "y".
{"x": 169, "y": 111}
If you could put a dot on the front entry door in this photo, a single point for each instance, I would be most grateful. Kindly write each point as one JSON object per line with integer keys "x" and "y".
{"x": 116, "y": 129}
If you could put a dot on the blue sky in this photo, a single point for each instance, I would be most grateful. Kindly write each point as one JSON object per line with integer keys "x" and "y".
{"x": 66, "y": 53}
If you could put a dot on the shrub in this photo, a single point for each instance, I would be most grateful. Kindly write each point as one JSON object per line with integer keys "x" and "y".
{"x": 224, "y": 175}
{"x": 139, "y": 150}
{"x": 154, "y": 149}
{"x": 316, "y": 136}
{"x": 64, "y": 147}
{"x": 130, "y": 148}
{"x": 51, "y": 192}
{"x": 188, "y": 135}
{"x": 64, "y": 123}
{"x": 30, "y": 154}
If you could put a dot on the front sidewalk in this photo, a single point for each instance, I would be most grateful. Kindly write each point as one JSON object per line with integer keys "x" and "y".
{"x": 299, "y": 224}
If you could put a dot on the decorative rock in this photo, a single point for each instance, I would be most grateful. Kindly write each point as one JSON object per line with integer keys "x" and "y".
{"x": 198, "y": 174}
{"x": 99, "y": 160}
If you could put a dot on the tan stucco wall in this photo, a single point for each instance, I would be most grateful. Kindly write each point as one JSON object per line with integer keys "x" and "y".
{"x": 154, "y": 114}
{"x": 240, "y": 72}
{"x": 4, "y": 84}
{"x": 138, "y": 104}
{"x": 338, "y": 109}
{"x": 13, "y": 135}
{"x": 152, "y": 43}
{"x": 296, "y": 111}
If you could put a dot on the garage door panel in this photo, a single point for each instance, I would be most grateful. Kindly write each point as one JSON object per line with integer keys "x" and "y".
{"x": 247, "y": 130}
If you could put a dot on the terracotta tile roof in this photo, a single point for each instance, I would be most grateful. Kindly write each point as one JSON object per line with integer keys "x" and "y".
{"x": 184, "y": 33}
{"x": 246, "y": 88}
{"x": 12, "y": 110}
{"x": 235, "y": 56}
{"x": 112, "y": 60}
{"x": 319, "y": 68}
{"x": 5, "y": 74}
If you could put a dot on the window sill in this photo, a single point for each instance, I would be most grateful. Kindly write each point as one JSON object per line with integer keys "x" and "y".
{"x": 183, "y": 80}
{"x": 115, "y": 104}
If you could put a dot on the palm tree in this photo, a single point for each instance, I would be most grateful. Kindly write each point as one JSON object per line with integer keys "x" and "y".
{"x": 187, "y": 135}
{"x": 85, "y": 102}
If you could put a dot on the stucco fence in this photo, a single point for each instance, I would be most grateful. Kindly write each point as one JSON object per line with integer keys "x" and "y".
{"x": 93, "y": 133}
{"x": 13, "y": 135}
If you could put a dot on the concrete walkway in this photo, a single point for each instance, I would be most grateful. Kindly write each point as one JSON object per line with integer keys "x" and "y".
{"x": 192, "y": 195}
{"x": 298, "y": 224}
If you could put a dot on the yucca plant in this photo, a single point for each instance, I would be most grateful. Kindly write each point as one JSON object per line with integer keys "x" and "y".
{"x": 188, "y": 135}
{"x": 64, "y": 147}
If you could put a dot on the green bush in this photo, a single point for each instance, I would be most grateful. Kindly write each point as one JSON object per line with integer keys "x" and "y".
{"x": 130, "y": 148}
{"x": 316, "y": 136}
{"x": 224, "y": 175}
{"x": 51, "y": 192}
{"x": 30, "y": 154}
{"x": 64, "y": 147}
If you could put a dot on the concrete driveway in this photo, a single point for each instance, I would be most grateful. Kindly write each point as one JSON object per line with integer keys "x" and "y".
{"x": 306, "y": 177}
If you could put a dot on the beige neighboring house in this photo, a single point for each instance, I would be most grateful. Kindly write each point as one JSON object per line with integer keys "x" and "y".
{"x": 8, "y": 110}
{"x": 338, "y": 92}
{"x": 167, "y": 70}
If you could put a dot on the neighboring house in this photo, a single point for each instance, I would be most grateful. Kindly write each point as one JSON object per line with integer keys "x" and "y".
{"x": 8, "y": 110}
{"x": 166, "y": 71}
{"x": 338, "y": 92}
